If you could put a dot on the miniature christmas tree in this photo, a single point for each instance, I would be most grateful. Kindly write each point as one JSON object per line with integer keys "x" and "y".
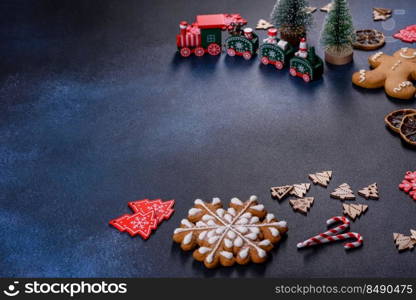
{"x": 338, "y": 34}
{"x": 292, "y": 19}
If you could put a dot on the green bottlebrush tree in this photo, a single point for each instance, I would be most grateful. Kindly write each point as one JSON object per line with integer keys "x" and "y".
{"x": 291, "y": 17}
{"x": 338, "y": 32}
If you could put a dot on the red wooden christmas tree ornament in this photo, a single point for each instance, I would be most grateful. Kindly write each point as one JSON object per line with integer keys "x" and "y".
{"x": 136, "y": 224}
{"x": 163, "y": 210}
{"x": 147, "y": 215}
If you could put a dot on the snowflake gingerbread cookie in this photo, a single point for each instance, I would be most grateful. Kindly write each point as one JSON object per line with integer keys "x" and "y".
{"x": 395, "y": 73}
{"x": 242, "y": 233}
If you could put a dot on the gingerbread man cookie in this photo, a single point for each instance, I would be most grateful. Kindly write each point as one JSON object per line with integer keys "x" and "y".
{"x": 393, "y": 72}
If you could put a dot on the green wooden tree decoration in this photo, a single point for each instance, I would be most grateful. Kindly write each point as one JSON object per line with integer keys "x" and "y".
{"x": 338, "y": 32}
{"x": 291, "y": 18}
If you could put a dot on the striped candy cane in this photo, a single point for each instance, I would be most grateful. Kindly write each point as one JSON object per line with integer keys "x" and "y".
{"x": 334, "y": 231}
{"x": 334, "y": 234}
{"x": 340, "y": 237}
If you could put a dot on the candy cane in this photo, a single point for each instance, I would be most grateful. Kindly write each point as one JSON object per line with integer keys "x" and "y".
{"x": 334, "y": 234}
{"x": 340, "y": 237}
{"x": 333, "y": 231}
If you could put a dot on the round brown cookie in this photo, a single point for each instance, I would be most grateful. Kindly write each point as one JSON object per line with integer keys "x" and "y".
{"x": 408, "y": 129}
{"x": 368, "y": 39}
{"x": 394, "y": 119}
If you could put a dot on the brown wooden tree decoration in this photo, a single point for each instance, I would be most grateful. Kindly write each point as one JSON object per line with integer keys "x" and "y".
{"x": 263, "y": 24}
{"x": 381, "y": 14}
{"x": 403, "y": 242}
{"x": 302, "y": 205}
{"x": 343, "y": 192}
{"x": 413, "y": 232}
{"x": 321, "y": 178}
{"x": 280, "y": 192}
{"x": 327, "y": 7}
{"x": 299, "y": 190}
{"x": 369, "y": 192}
{"x": 354, "y": 210}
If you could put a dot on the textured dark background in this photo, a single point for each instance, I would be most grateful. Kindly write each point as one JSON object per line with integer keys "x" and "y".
{"x": 98, "y": 110}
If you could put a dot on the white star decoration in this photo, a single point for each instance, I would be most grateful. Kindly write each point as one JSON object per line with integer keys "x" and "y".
{"x": 238, "y": 45}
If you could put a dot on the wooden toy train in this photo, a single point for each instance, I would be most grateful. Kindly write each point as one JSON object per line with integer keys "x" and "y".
{"x": 205, "y": 36}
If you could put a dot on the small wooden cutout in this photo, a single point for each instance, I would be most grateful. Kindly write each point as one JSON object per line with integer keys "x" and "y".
{"x": 403, "y": 242}
{"x": 321, "y": 178}
{"x": 343, "y": 192}
{"x": 302, "y": 205}
{"x": 263, "y": 24}
{"x": 311, "y": 9}
{"x": 299, "y": 190}
{"x": 354, "y": 210}
{"x": 327, "y": 7}
{"x": 280, "y": 192}
{"x": 369, "y": 192}
{"x": 413, "y": 232}
{"x": 381, "y": 14}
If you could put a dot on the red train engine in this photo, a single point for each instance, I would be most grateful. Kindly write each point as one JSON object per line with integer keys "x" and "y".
{"x": 205, "y": 35}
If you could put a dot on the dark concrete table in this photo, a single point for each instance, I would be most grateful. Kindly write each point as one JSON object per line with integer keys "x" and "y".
{"x": 98, "y": 110}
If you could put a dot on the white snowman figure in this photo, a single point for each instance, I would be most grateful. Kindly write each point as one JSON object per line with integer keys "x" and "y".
{"x": 303, "y": 49}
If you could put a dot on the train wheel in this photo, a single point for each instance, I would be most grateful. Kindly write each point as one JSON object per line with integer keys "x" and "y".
{"x": 293, "y": 72}
{"x": 264, "y": 60}
{"x": 185, "y": 52}
{"x": 214, "y": 49}
{"x": 279, "y": 65}
{"x": 231, "y": 52}
{"x": 306, "y": 77}
{"x": 199, "y": 51}
{"x": 247, "y": 55}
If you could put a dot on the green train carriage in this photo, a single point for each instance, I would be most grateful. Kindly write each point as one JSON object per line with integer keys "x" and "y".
{"x": 309, "y": 68}
{"x": 275, "y": 55}
{"x": 245, "y": 45}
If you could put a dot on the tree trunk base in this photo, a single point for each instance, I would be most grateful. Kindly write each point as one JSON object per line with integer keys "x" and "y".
{"x": 293, "y": 39}
{"x": 338, "y": 60}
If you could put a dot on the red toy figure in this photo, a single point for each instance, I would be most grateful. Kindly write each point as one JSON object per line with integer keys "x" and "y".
{"x": 248, "y": 33}
{"x": 271, "y": 36}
